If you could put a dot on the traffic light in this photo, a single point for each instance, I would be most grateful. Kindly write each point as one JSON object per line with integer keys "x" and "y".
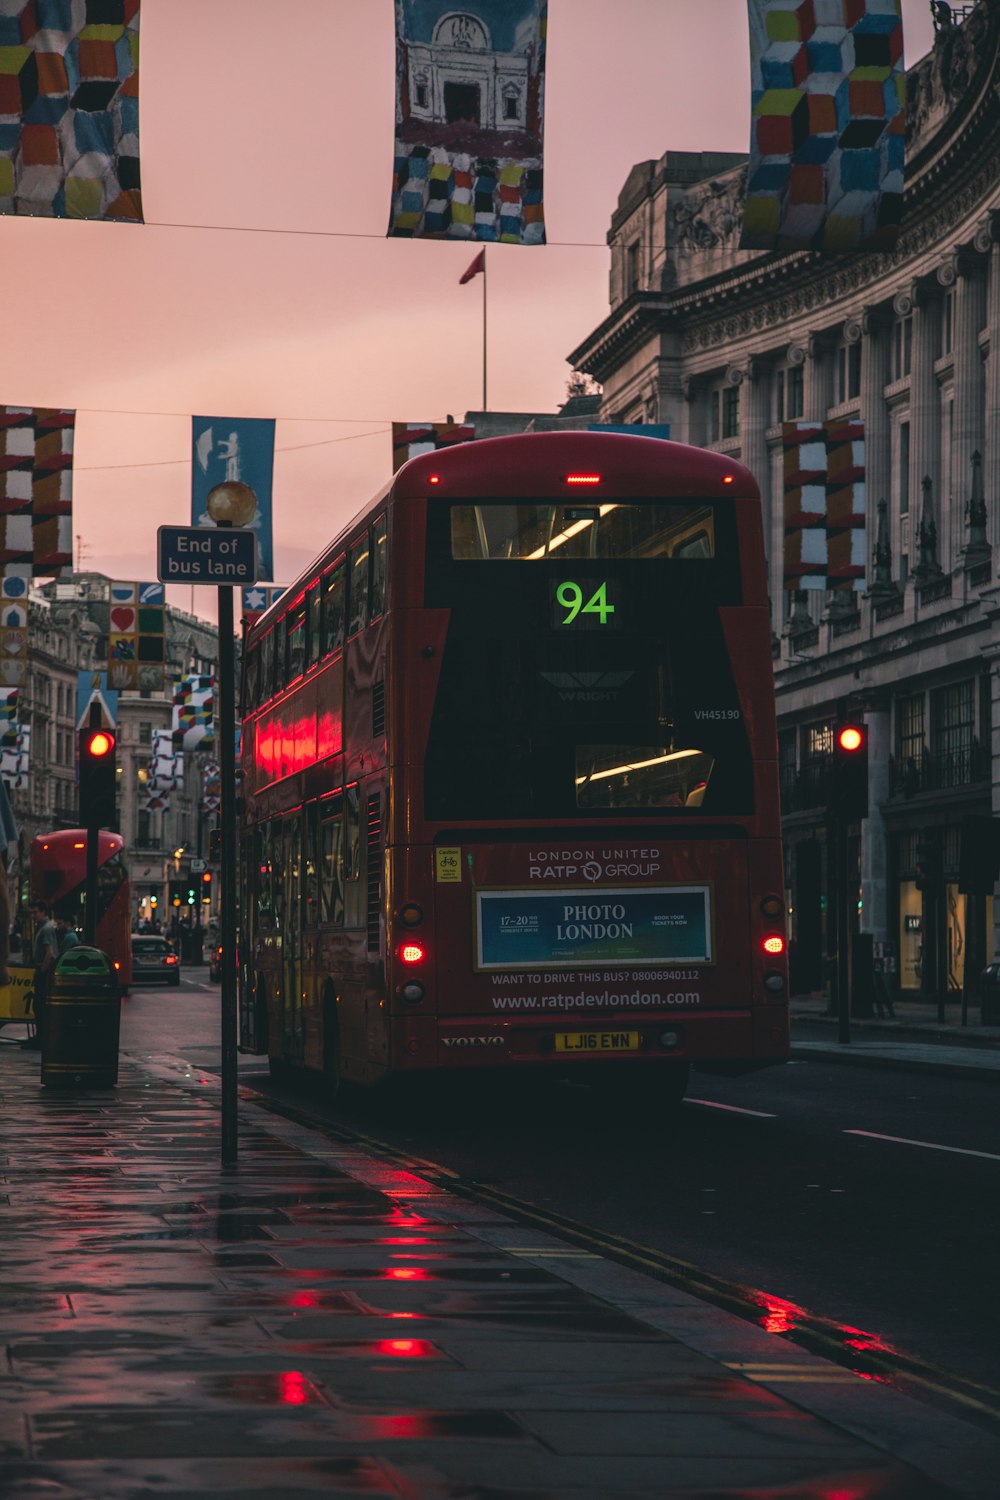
{"x": 849, "y": 791}
{"x": 97, "y": 778}
{"x": 191, "y": 895}
{"x": 215, "y": 843}
{"x": 930, "y": 870}
{"x": 979, "y": 855}
{"x": 176, "y": 892}
{"x": 206, "y": 886}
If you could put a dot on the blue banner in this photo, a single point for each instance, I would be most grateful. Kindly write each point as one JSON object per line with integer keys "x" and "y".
{"x": 91, "y": 685}
{"x": 231, "y": 478}
{"x": 635, "y": 429}
{"x": 570, "y": 928}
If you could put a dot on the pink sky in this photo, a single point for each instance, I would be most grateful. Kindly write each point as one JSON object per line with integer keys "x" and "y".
{"x": 262, "y": 284}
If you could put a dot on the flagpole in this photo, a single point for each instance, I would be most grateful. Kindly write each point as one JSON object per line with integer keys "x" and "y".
{"x": 485, "y": 408}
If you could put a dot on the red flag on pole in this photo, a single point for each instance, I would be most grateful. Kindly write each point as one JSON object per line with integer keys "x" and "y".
{"x": 479, "y": 264}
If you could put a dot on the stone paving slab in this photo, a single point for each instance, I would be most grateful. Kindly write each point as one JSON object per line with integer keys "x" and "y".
{"x": 324, "y": 1321}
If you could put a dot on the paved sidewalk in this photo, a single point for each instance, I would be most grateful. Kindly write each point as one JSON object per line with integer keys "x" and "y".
{"x": 913, "y": 1039}
{"x": 322, "y": 1321}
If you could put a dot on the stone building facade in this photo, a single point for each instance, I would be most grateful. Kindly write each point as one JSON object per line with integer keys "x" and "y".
{"x": 67, "y": 634}
{"x": 725, "y": 345}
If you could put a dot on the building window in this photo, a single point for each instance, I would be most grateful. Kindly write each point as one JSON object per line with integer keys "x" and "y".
{"x": 145, "y": 733}
{"x": 510, "y": 110}
{"x": 632, "y": 268}
{"x": 947, "y": 323}
{"x": 910, "y": 737}
{"x": 848, "y": 372}
{"x": 903, "y": 469}
{"x": 953, "y": 724}
{"x": 421, "y": 96}
{"x": 790, "y": 393}
{"x": 902, "y": 348}
{"x": 731, "y": 411}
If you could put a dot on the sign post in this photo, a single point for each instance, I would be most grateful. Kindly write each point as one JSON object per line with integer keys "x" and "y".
{"x": 224, "y": 556}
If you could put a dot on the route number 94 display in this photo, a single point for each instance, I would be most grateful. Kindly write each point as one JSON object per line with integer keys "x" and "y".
{"x": 584, "y": 606}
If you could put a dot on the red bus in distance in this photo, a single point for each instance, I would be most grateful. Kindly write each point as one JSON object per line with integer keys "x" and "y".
{"x": 58, "y": 877}
{"x": 510, "y": 776}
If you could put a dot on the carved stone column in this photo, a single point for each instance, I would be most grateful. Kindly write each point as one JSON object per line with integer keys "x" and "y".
{"x": 991, "y": 448}
{"x": 818, "y": 378}
{"x": 963, "y": 272}
{"x": 874, "y": 414}
{"x": 756, "y": 394}
{"x": 925, "y": 436}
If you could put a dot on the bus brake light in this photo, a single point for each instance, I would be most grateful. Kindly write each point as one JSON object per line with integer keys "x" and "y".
{"x": 583, "y": 478}
{"x": 774, "y": 944}
{"x": 411, "y": 953}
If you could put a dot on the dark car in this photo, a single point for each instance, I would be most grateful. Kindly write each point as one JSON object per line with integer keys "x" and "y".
{"x": 154, "y": 958}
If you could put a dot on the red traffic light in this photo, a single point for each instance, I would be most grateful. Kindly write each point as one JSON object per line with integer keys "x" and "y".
{"x": 850, "y": 738}
{"x": 207, "y": 878}
{"x": 98, "y": 743}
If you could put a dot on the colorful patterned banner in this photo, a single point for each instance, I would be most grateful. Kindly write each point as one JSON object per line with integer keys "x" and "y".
{"x": 259, "y": 599}
{"x": 194, "y": 710}
{"x": 69, "y": 109}
{"x": 9, "y": 725}
{"x": 828, "y": 125}
{"x": 137, "y": 636}
{"x": 36, "y": 486}
{"x": 470, "y": 104}
{"x": 231, "y": 478}
{"x": 824, "y": 488}
{"x": 91, "y": 686}
{"x": 13, "y": 632}
{"x": 211, "y": 787}
{"x": 15, "y": 758}
{"x": 166, "y": 765}
{"x": 409, "y": 439}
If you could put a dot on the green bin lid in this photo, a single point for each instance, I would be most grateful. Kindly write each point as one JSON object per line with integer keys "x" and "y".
{"x": 86, "y": 961}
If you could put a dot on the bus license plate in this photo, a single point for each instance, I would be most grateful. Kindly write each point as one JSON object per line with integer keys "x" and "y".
{"x": 597, "y": 1041}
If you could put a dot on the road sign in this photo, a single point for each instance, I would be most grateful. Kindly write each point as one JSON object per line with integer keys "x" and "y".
{"x": 199, "y": 554}
{"x": 197, "y": 866}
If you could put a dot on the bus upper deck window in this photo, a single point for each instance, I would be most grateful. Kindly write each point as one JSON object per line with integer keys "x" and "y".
{"x": 358, "y": 593}
{"x": 314, "y": 601}
{"x": 379, "y": 567}
{"x": 333, "y": 608}
{"x": 296, "y": 625}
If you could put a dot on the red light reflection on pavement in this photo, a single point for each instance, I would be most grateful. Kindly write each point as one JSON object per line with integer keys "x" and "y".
{"x": 781, "y": 1316}
{"x": 406, "y": 1348}
{"x": 400, "y": 1220}
{"x": 294, "y": 1388}
{"x": 397, "y": 1273}
{"x": 303, "y": 1299}
{"x": 402, "y": 1315}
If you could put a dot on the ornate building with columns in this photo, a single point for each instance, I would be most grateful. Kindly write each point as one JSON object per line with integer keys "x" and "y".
{"x": 725, "y": 345}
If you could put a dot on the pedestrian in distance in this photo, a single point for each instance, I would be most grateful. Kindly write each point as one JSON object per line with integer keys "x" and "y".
{"x": 45, "y": 955}
{"x": 68, "y": 935}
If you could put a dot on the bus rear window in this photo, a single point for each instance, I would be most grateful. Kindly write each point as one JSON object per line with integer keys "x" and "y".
{"x": 535, "y": 530}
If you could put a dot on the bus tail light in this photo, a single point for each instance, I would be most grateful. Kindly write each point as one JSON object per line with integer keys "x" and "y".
{"x": 583, "y": 478}
{"x": 412, "y": 992}
{"x": 773, "y": 944}
{"x": 772, "y": 906}
{"x": 117, "y": 963}
{"x": 774, "y": 984}
{"x": 411, "y": 915}
{"x": 412, "y": 953}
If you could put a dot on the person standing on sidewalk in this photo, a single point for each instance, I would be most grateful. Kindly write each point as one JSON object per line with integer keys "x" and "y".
{"x": 68, "y": 935}
{"x": 8, "y": 836}
{"x": 46, "y": 953}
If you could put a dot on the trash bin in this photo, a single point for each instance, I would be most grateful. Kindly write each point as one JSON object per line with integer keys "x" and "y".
{"x": 81, "y": 1022}
{"x": 989, "y": 996}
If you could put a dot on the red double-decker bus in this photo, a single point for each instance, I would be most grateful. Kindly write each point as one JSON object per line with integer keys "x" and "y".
{"x": 510, "y": 775}
{"x": 59, "y": 877}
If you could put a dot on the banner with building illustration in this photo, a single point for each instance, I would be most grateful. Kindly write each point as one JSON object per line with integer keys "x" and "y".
{"x": 166, "y": 763}
{"x": 824, "y": 499}
{"x": 194, "y": 713}
{"x": 36, "y": 486}
{"x": 15, "y": 758}
{"x": 69, "y": 109}
{"x": 9, "y": 715}
{"x": 470, "y": 104}
{"x": 93, "y": 687}
{"x": 232, "y": 473}
{"x": 827, "y": 127}
{"x": 13, "y": 632}
{"x": 410, "y": 439}
{"x": 137, "y": 636}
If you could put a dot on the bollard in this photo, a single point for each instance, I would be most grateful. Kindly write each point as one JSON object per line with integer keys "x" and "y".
{"x": 81, "y": 1020}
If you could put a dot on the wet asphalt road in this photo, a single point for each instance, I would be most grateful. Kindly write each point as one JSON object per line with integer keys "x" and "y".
{"x": 783, "y": 1181}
